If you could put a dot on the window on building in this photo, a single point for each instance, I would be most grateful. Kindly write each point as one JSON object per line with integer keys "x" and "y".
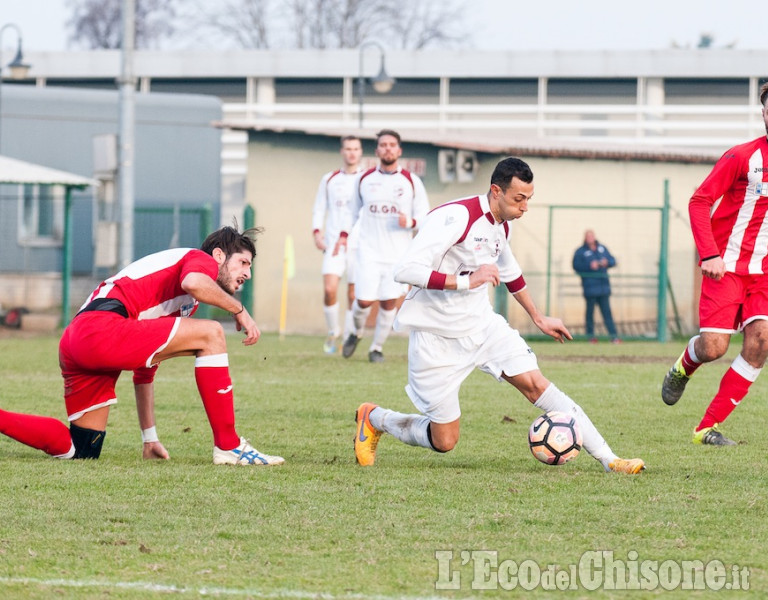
{"x": 41, "y": 214}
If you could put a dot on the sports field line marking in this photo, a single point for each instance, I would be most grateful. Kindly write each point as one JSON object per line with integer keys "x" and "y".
{"x": 203, "y": 591}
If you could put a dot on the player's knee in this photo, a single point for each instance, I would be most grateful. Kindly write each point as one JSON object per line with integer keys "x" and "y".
{"x": 713, "y": 351}
{"x": 755, "y": 350}
{"x": 442, "y": 441}
{"x": 330, "y": 294}
{"x": 445, "y": 445}
{"x": 214, "y": 338}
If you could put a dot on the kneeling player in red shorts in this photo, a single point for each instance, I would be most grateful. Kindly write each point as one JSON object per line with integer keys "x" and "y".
{"x": 134, "y": 321}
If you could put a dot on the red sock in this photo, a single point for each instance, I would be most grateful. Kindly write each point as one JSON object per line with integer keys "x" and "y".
{"x": 42, "y": 433}
{"x": 215, "y": 387}
{"x": 733, "y": 388}
{"x": 689, "y": 365}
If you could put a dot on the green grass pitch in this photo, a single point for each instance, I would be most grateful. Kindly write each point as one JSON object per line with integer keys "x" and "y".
{"x": 322, "y": 527}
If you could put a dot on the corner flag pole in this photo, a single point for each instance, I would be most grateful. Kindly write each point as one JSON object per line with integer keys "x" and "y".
{"x": 289, "y": 270}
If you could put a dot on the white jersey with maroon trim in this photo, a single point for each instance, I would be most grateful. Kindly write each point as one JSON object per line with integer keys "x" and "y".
{"x": 151, "y": 287}
{"x": 334, "y": 204}
{"x": 379, "y": 197}
{"x": 455, "y": 239}
{"x": 728, "y": 210}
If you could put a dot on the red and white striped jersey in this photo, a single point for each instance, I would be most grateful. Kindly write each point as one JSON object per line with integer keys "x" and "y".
{"x": 151, "y": 286}
{"x": 379, "y": 197}
{"x": 728, "y": 210}
{"x": 455, "y": 239}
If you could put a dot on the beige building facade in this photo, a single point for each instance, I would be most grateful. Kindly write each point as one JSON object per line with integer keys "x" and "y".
{"x": 617, "y": 192}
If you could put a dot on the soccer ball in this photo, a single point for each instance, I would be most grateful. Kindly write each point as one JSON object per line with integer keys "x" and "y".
{"x": 554, "y": 438}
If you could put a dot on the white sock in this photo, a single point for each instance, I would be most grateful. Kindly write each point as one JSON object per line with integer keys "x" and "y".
{"x": 409, "y": 429}
{"x": 384, "y": 321}
{"x": 691, "y": 351}
{"x": 359, "y": 317}
{"x": 332, "y": 319}
{"x": 349, "y": 323}
{"x": 593, "y": 442}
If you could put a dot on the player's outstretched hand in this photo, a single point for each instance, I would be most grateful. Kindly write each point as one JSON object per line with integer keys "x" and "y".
{"x": 244, "y": 322}
{"x": 485, "y": 274}
{"x": 154, "y": 451}
{"x": 555, "y": 328}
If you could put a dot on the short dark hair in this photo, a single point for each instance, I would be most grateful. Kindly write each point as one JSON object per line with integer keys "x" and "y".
{"x": 349, "y": 138}
{"x": 391, "y": 132}
{"x": 507, "y": 169}
{"x": 763, "y": 93}
{"x": 230, "y": 240}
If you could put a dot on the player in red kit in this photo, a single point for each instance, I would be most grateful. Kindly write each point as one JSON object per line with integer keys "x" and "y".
{"x": 728, "y": 220}
{"x": 132, "y": 322}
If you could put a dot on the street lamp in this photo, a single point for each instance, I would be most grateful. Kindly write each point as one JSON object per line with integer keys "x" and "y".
{"x": 382, "y": 83}
{"x": 18, "y": 69}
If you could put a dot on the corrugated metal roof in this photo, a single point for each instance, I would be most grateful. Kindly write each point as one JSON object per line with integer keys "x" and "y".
{"x": 494, "y": 144}
{"x": 19, "y": 171}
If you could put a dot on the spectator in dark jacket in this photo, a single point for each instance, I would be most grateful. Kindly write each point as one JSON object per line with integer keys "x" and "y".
{"x": 592, "y": 261}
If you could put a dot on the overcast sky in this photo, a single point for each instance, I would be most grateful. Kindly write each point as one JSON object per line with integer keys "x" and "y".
{"x": 508, "y": 24}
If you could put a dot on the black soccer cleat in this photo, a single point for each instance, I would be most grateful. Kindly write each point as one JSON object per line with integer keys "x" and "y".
{"x": 710, "y": 436}
{"x": 350, "y": 345}
{"x": 674, "y": 383}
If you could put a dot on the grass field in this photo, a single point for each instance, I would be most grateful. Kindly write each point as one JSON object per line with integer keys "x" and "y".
{"x": 321, "y": 527}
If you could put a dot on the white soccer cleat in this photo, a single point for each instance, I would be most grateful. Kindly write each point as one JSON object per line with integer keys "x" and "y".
{"x": 245, "y": 454}
{"x": 330, "y": 346}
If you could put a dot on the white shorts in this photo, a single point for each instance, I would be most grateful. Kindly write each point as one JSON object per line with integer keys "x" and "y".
{"x": 376, "y": 281}
{"x": 437, "y": 365}
{"x": 339, "y": 264}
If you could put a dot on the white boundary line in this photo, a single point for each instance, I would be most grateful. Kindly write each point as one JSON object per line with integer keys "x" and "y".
{"x": 203, "y": 591}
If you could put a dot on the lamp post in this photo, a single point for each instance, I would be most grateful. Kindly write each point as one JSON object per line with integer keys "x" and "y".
{"x": 18, "y": 69}
{"x": 127, "y": 151}
{"x": 382, "y": 83}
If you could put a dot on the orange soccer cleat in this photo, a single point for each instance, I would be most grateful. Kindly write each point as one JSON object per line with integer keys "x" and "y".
{"x": 366, "y": 435}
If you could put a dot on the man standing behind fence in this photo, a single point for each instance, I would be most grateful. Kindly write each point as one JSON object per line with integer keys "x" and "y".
{"x": 592, "y": 261}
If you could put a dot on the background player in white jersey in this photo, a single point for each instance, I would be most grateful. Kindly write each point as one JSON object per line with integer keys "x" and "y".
{"x": 729, "y": 225}
{"x": 461, "y": 248}
{"x": 136, "y": 320}
{"x": 390, "y": 204}
{"x": 333, "y": 203}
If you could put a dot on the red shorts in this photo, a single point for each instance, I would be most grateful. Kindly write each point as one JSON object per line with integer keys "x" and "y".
{"x": 734, "y": 301}
{"x": 97, "y": 346}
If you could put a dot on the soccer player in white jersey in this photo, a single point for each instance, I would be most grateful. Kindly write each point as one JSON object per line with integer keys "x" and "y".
{"x": 135, "y": 320}
{"x": 333, "y": 203}
{"x": 461, "y": 248}
{"x": 390, "y": 204}
{"x": 729, "y": 225}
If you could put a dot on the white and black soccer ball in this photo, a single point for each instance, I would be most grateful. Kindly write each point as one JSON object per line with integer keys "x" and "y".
{"x": 554, "y": 438}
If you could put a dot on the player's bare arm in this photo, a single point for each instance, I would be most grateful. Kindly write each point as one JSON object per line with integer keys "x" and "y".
{"x": 204, "y": 289}
{"x": 713, "y": 268}
{"x": 552, "y": 326}
{"x": 145, "y": 407}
